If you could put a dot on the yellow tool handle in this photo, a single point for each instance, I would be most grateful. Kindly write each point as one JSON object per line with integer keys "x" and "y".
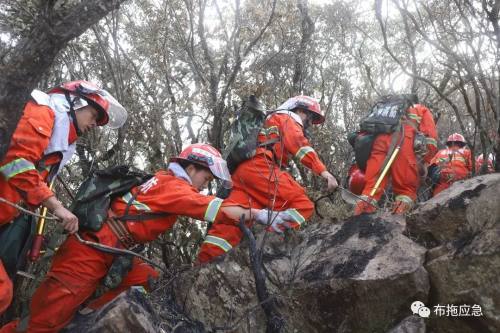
{"x": 384, "y": 172}
{"x": 41, "y": 220}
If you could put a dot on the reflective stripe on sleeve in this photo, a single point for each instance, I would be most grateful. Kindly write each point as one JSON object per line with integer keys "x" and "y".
{"x": 213, "y": 209}
{"x": 303, "y": 152}
{"x": 138, "y": 205}
{"x": 415, "y": 117}
{"x": 219, "y": 242}
{"x": 404, "y": 198}
{"x": 270, "y": 130}
{"x": 431, "y": 141}
{"x": 16, "y": 167}
{"x": 297, "y": 217}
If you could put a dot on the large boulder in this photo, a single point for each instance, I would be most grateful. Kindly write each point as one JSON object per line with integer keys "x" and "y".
{"x": 468, "y": 275}
{"x": 461, "y": 226}
{"x": 466, "y": 207}
{"x": 357, "y": 276}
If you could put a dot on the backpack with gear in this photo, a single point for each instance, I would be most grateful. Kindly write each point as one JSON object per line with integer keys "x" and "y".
{"x": 94, "y": 196}
{"x": 385, "y": 115}
{"x": 384, "y": 118}
{"x": 244, "y": 131}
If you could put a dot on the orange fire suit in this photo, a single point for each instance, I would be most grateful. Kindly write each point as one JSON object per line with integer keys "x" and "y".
{"x": 260, "y": 183}
{"x": 455, "y": 164}
{"x": 77, "y": 269}
{"x": 403, "y": 171}
{"x": 5, "y": 289}
{"x": 24, "y": 169}
{"x": 480, "y": 161}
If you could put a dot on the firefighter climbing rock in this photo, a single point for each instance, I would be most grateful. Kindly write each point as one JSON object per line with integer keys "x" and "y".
{"x": 44, "y": 140}
{"x": 261, "y": 182}
{"x": 450, "y": 164}
{"x": 402, "y": 137}
{"x": 137, "y": 217}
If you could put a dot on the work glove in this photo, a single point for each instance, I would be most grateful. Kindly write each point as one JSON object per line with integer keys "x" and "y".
{"x": 277, "y": 221}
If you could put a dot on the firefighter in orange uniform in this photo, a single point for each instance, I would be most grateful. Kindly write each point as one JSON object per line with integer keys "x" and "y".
{"x": 453, "y": 163}
{"x": 175, "y": 192}
{"x": 490, "y": 163}
{"x": 405, "y": 170}
{"x": 44, "y": 140}
{"x": 260, "y": 182}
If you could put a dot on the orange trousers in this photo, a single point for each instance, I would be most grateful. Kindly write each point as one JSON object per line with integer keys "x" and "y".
{"x": 257, "y": 183}
{"x": 404, "y": 171}
{"x": 448, "y": 178}
{"x": 6, "y": 289}
{"x": 75, "y": 274}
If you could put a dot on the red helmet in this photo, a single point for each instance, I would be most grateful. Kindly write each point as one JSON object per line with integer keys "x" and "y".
{"x": 356, "y": 180}
{"x": 307, "y": 103}
{"x": 111, "y": 112}
{"x": 207, "y": 156}
{"x": 455, "y": 137}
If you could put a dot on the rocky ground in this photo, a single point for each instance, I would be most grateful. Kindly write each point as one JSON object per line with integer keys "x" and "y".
{"x": 357, "y": 275}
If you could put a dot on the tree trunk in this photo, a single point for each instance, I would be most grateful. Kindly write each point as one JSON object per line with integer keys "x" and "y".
{"x": 33, "y": 55}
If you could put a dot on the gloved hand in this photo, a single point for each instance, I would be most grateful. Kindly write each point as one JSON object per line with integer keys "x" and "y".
{"x": 278, "y": 221}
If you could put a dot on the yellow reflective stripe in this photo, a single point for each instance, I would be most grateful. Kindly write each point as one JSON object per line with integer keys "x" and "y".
{"x": 431, "y": 141}
{"x": 404, "y": 198}
{"x": 213, "y": 209}
{"x": 16, "y": 167}
{"x": 270, "y": 130}
{"x": 414, "y": 117}
{"x": 138, "y": 205}
{"x": 303, "y": 152}
{"x": 297, "y": 217}
{"x": 220, "y": 242}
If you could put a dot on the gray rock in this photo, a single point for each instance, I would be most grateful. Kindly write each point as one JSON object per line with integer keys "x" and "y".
{"x": 468, "y": 274}
{"x": 358, "y": 276}
{"x": 129, "y": 312}
{"x": 465, "y": 208}
{"x": 411, "y": 324}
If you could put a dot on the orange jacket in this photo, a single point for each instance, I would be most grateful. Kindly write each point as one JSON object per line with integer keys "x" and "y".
{"x": 420, "y": 118}
{"x": 292, "y": 142}
{"x": 22, "y": 177}
{"x": 165, "y": 193}
{"x": 454, "y": 164}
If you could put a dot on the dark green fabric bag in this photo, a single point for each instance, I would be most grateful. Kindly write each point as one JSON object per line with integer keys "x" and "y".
{"x": 362, "y": 143}
{"x": 15, "y": 242}
{"x": 94, "y": 196}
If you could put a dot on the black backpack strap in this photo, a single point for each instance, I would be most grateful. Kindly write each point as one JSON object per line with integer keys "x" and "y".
{"x": 141, "y": 217}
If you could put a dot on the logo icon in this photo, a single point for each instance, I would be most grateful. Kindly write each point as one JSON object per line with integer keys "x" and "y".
{"x": 419, "y": 308}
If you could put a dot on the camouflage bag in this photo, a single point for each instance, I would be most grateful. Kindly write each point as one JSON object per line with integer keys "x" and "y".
{"x": 94, "y": 196}
{"x": 243, "y": 133}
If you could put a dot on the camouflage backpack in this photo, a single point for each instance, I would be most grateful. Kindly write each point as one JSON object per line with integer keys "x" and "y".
{"x": 94, "y": 196}
{"x": 243, "y": 133}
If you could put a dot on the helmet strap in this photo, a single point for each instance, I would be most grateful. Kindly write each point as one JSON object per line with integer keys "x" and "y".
{"x": 72, "y": 113}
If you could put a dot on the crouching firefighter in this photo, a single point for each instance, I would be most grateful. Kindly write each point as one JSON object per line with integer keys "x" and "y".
{"x": 44, "y": 140}
{"x": 404, "y": 142}
{"x": 451, "y": 164}
{"x": 260, "y": 182}
{"x": 136, "y": 217}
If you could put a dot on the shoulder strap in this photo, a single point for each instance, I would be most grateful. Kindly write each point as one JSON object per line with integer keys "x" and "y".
{"x": 138, "y": 217}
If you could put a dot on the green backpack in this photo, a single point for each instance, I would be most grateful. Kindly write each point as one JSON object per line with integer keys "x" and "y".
{"x": 243, "y": 133}
{"x": 94, "y": 196}
{"x": 15, "y": 242}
